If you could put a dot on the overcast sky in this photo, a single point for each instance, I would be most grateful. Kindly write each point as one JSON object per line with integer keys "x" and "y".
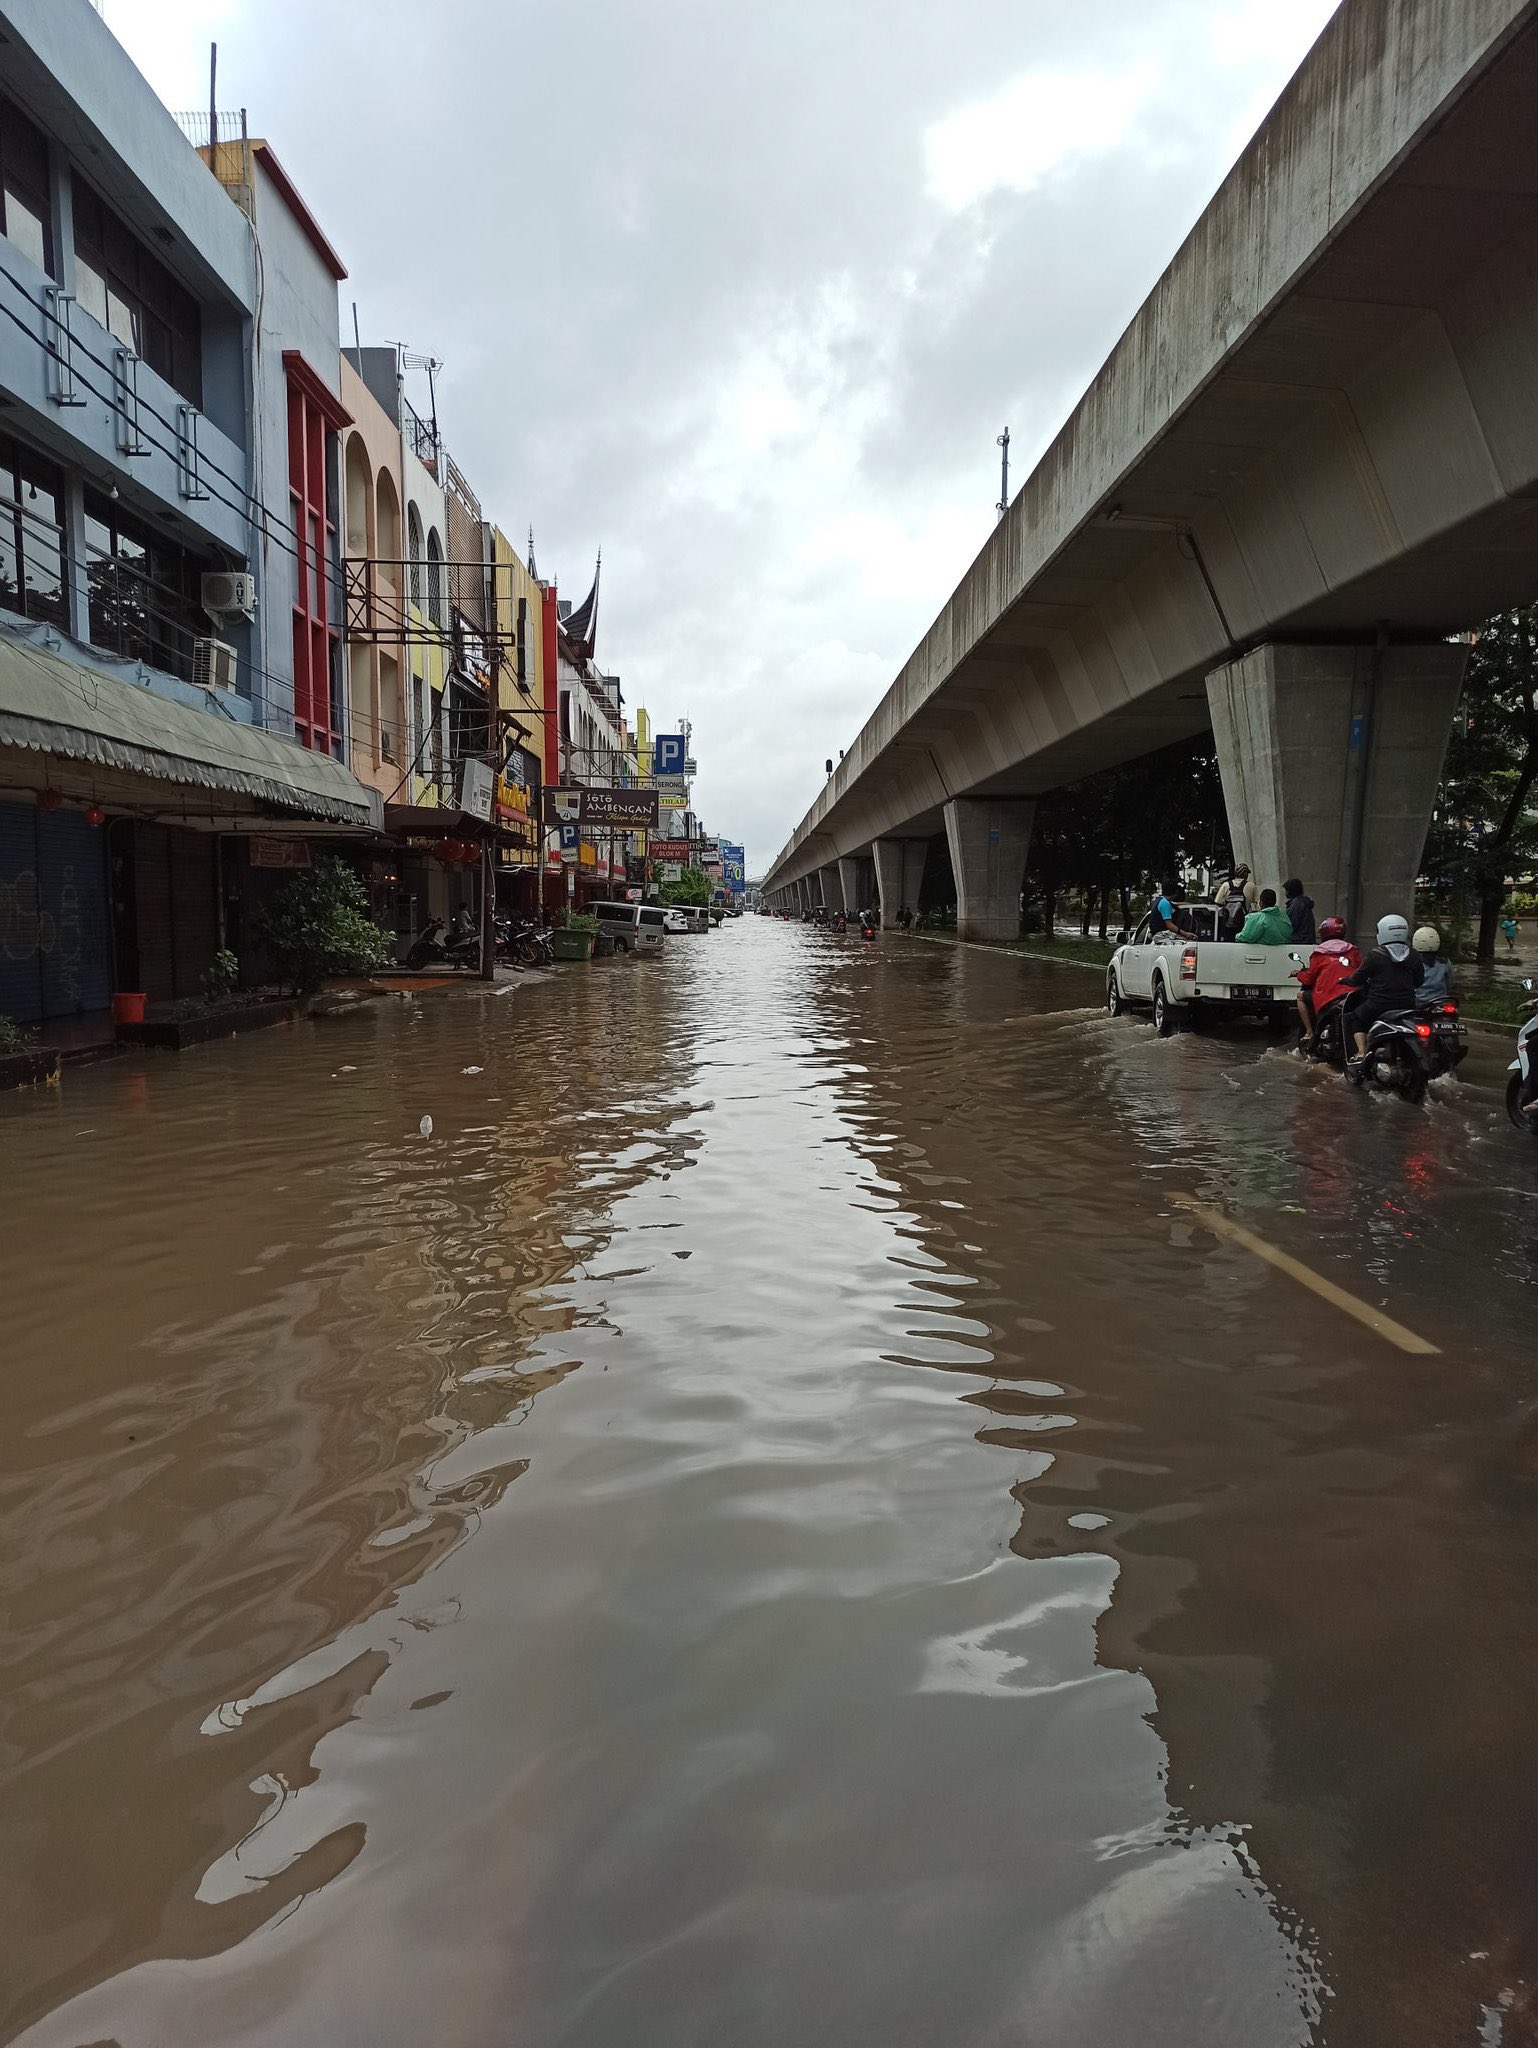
{"x": 744, "y": 293}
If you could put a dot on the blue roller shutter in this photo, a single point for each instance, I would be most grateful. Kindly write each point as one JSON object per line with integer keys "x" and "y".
{"x": 21, "y": 981}
{"x": 76, "y": 946}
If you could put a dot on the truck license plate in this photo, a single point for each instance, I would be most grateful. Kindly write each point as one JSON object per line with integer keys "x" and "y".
{"x": 1252, "y": 995}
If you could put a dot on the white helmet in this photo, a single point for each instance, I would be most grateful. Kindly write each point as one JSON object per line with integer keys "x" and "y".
{"x": 1427, "y": 940}
{"x": 1393, "y": 931}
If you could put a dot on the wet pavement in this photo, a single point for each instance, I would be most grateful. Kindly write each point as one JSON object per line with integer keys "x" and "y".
{"x": 772, "y": 1525}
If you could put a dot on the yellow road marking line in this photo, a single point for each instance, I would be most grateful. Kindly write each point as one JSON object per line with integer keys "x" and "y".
{"x": 1375, "y": 1320}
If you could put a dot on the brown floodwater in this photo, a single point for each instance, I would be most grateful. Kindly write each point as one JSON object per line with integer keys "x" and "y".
{"x": 770, "y": 1526}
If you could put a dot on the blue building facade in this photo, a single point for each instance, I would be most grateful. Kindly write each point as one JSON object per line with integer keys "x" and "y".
{"x": 171, "y": 691}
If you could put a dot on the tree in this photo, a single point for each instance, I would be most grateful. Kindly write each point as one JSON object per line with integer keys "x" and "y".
{"x": 318, "y": 924}
{"x": 1484, "y": 830}
{"x": 1126, "y": 828}
{"x": 691, "y": 887}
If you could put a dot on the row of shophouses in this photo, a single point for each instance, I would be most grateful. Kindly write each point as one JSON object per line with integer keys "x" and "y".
{"x": 251, "y": 608}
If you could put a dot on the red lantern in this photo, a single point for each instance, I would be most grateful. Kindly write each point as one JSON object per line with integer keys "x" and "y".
{"x": 49, "y": 800}
{"x": 96, "y": 815}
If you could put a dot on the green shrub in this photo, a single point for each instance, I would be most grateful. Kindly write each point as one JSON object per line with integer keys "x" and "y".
{"x": 12, "y": 1037}
{"x": 319, "y": 924}
{"x": 581, "y": 921}
{"x": 221, "y": 977}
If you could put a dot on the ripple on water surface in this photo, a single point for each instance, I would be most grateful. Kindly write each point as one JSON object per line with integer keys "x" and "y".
{"x": 757, "y": 1524}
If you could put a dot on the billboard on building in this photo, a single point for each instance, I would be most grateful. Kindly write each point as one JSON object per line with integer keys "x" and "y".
{"x": 620, "y": 810}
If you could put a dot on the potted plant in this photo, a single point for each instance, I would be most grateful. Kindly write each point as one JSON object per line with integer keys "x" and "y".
{"x": 575, "y": 939}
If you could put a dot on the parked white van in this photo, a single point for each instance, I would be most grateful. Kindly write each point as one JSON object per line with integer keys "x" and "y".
{"x": 635, "y": 927}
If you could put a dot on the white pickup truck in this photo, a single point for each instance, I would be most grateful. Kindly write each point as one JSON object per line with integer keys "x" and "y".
{"x": 1180, "y": 978}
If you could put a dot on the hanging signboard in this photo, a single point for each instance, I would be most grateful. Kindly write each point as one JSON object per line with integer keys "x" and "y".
{"x": 668, "y": 849}
{"x": 476, "y": 784}
{"x": 668, "y": 751}
{"x": 670, "y": 871}
{"x": 278, "y": 853}
{"x": 621, "y": 810}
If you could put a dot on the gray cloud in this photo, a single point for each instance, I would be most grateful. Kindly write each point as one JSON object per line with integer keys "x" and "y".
{"x": 698, "y": 302}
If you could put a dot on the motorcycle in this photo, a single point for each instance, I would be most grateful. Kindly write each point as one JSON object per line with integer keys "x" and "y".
{"x": 1522, "y": 1087}
{"x": 1408, "y": 1049}
{"x": 523, "y": 944}
{"x": 462, "y": 949}
{"x": 1326, "y": 1044}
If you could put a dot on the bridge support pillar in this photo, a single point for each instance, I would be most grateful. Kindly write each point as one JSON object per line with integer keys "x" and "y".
{"x": 849, "y": 885}
{"x": 899, "y": 874}
{"x": 1330, "y": 758}
{"x": 989, "y": 837}
{"x": 828, "y": 894}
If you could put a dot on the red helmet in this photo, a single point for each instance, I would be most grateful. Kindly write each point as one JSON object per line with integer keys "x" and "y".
{"x": 1333, "y": 928}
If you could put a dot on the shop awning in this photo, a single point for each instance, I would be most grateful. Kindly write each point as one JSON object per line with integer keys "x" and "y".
{"x": 50, "y": 705}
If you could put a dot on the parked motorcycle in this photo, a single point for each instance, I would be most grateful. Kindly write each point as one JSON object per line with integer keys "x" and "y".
{"x": 1408, "y": 1049}
{"x": 523, "y": 944}
{"x": 459, "y": 949}
{"x": 1522, "y": 1086}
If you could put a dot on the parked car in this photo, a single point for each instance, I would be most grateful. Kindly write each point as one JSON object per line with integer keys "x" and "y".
{"x": 635, "y": 927}
{"x": 1180, "y": 979}
{"x": 684, "y": 917}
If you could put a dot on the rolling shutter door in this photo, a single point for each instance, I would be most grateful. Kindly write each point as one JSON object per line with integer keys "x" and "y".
{"x": 21, "y": 981}
{"x": 76, "y": 951}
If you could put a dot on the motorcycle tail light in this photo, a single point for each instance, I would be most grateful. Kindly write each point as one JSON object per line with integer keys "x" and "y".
{"x": 1188, "y": 964}
{"x": 1449, "y": 1009}
{"x": 1423, "y": 1030}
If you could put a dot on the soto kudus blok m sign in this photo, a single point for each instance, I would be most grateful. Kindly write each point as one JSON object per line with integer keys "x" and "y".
{"x": 611, "y": 810}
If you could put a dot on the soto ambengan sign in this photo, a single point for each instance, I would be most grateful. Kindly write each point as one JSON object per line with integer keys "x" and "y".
{"x": 615, "y": 810}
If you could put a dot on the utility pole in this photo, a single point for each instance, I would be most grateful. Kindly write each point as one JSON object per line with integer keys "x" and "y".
{"x": 1002, "y": 442}
{"x": 494, "y": 756}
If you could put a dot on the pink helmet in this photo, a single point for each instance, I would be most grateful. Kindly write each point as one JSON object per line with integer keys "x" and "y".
{"x": 1333, "y": 928}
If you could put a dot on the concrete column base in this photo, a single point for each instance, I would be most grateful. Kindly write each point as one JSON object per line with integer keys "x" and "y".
{"x": 829, "y": 896}
{"x": 899, "y": 874}
{"x": 989, "y": 838}
{"x": 1330, "y": 758}
{"x": 849, "y": 885}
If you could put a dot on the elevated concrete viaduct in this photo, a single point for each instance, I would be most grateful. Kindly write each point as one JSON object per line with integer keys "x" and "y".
{"x": 1311, "y": 459}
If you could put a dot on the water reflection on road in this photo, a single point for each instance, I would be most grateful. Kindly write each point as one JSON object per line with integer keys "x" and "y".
{"x": 769, "y": 1526}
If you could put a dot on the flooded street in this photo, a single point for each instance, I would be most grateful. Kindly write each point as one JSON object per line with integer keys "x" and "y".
{"x": 772, "y": 1525}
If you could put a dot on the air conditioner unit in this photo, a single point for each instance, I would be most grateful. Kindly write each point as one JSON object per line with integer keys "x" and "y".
{"x": 213, "y": 664}
{"x": 226, "y": 592}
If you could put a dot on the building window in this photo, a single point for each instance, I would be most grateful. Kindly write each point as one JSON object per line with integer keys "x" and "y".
{"x": 314, "y": 419}
{"x": 134, "y": 296}
{"x": 145, "y": 592}
{"x": 24, "y": 187}
{"x": 414, "y": 528}
{"x": 434, "y": 577}
{"x": 32, "y": 552}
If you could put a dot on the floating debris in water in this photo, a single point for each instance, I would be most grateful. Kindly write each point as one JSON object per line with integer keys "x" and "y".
{"x": 1089, "y": 1521}
{"x": 472, "y": 1070}
{"x": 426, "y": 1127}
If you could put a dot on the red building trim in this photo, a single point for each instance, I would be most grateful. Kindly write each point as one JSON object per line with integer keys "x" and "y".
{"x": 314, "y": 417}
{"x": 318, "y": 393}
{"x": 288, "y": 192}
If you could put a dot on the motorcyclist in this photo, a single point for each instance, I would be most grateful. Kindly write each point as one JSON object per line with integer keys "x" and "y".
{"x": 1386, "y": 980}
{"x": 1437, "y": 970}
{"x": 1322, "y": 978}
